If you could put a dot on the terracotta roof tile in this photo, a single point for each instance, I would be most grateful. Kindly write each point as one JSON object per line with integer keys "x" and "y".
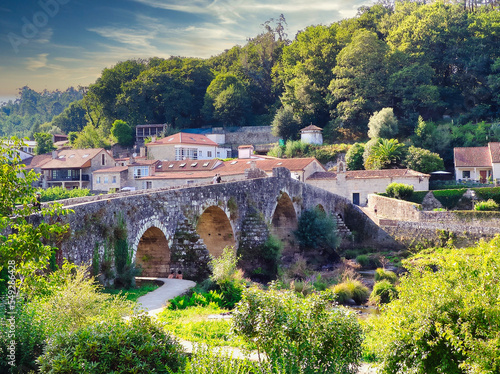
{"x": 184, "y": 138}
{"x": 494, "y": 152}
{"x": 194, "y": 165}
{"x": 323, "y": 175}
{"x": 112, "y": 169}
{"x": 368, "y": 174}
{"x": 37, "y": 161}
{"x": 311, "y": 128}
{"x": 72, "y": 158}
{"x": 472, "y": 156}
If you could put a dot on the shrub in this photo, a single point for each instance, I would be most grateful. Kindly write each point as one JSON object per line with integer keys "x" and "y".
{"x": 299, "y": 334}
{"x": 449, "y": 198}
{"x": 446, "y": 319}
{"x": 206, "y": 360}
{"x": 423, "y": 160}
{"x": 351, "y": 289}
{"x": 487, "y": 193}
{"x": 489, "y": 205}
{"x": 354, "y": 157}
{"x": 226, "y": 275}
{"x": 139, "y": 345}
{"x": 382, "y": 274}
{"x": 383, "y": 292}
{"x": 399, "y": 191}
{"x": 197, "y": 299}
{"x": 59, "y": 193}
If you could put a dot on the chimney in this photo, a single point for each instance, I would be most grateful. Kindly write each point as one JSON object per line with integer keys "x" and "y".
{"x": 54, "y": 154}
{"x": 245, "y": 151}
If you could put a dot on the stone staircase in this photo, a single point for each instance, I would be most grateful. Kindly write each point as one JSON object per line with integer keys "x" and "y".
{"x": 342, "y": 229}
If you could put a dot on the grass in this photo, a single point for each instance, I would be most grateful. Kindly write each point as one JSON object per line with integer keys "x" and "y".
{"x": 134, "y": 293}
{"x": 193, "y": 324}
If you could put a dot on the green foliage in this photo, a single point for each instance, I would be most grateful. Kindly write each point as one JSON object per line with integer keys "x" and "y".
{"x": 226, "y": 275}
{"x": 26, "y": 245}
{"x": 296, "y": 148}
{"x": 197, "y": 299}
{"x": 488, "y": 193}
{"x": 383, "y": 154}
{"x": 327, "y": 153}
{"x": 351, "y": 289}
{"x": 270, "y": 253}
{"x": 285, "y": 125}
{"x": 449, "y": 198}
{"x": 208, "y": 360}
{"x": 383, "y": 292}
{"x": 382, "y": 274}
{"x": 133, "y": 294}
{"x": 399, "y": 190}
{"x": 297, "y": 334}
{"x": 447, "y": 318}
{"x": 60, "y": 193}
{"x": 368, "y": 261}
{"x": 140, "y": 344}
{"x": 44, "y": 143}
{"x": 489, "y": 205}
{"x": 125, "y": 268}
{"x": 91, "y": 137}
{"x": 423, "y": 160}
{"x": 383, "y": 124}
{"x": 354, "y": 157}
{"x": 417, "y": 197}
{"x": 122, "y": 133}
{"x": 317, "y": 230}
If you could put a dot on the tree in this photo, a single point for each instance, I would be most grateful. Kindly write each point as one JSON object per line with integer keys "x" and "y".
{"x": 285, "y": 125}
{"x": 25, "y": 230}
{"x": 354, "y": 157}
{"x": 44, "y": 143}
{"x": 423, "y": 160}
{"x": 383, "y": 124}
{"x": 90, "y": 137}
{"x": 231, "y": 106}
{"x": 317, "y": 230}
{"x": 385, "y": 153}
{"x": 122, "y": 133}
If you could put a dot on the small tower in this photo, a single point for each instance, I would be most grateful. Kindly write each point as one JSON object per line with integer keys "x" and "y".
{"x": 311, "y": 135}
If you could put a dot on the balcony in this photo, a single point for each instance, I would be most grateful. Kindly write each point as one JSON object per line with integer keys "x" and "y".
{"x": 65, "y": 177}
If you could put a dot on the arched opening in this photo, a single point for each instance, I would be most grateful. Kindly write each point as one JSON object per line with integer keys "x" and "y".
{"x": 215, "y": 230}
{"x": 284, "y": 221}
{"x": 153, "y": 254}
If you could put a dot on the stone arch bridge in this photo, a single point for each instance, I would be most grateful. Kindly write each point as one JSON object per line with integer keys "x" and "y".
{"x": 178, "y": 228}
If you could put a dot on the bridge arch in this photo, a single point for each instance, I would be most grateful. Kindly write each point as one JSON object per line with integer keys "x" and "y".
{"x": 152, "y": 251}
{"x": 215, "y": 229}
{"x": 284, "y": 221}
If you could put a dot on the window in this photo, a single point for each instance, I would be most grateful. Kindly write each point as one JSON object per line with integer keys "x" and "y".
{"x": 228, "y": 154}
{"x": 98, "y": 180}
{"x": 141, "y": 171}
{"x": 466, "y": 174}
{"x": 218, "y": 154}
{"x": 103, "y": 159}
{"x": 200, "y": 154}
{"x": 184, "y": 153}
{"x": 114, "y": 178}
{"x": 106, "y": 180}
{"x": 209, "y": 153}
{"x": 147, "y": 185}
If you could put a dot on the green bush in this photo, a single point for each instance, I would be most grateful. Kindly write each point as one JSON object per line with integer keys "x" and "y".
{"x": 382, "y": 274}
{"x": 197, "y": 299}
{"x": 137, "y": 346}
{"x": 383, "y": 292}
{"x": 489, "y": 205}
{"x": 299, "y": 334}
{"x": 487, "y": 193}
{"x": 449, "y": 198}
{"x": 446, "y": 318}
{"x": 399, "y": 191}
{"x": 417, "y": 197}
{"x": 368, "y": 261}
{"x": 351, "y": 289}
{"x": 59, "y": 193}
{"x": 206, "y": 360}
{"x": 227, "y": 276}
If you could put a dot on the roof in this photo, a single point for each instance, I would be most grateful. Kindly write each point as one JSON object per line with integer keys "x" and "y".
{"x": 369, "y": 174}
{"x": 37, "y": 161}
{"x": 494, "y": 152}
{"x": 245, "y": 146}
{"x": 184, "y": 138}
{"x": 311, "y": 128}
{"x": 111, "y": 169}
{"x": 73, "y": 158}
{"x": 143, "y": 162}
{"x": 292, "y": 164}
{"x": 152, "y": 125}
{"x": 472, "y": 156}
{"x": 185, "y": 165}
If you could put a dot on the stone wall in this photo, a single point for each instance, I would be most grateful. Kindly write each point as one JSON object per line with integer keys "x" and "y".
{"x": 249, "y": 135}
{"x": 394, "y": 209}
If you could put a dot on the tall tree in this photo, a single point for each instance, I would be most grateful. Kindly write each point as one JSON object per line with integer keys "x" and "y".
{"x": 44, "y": 143}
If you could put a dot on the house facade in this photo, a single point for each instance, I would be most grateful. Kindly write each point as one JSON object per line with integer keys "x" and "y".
{"x": 356, "y": 185}
{"x": 477, "y": 163}
{"x": 110, "y": 179}
{"x": 73, "y": 168}
{"x": 183, "y": 146}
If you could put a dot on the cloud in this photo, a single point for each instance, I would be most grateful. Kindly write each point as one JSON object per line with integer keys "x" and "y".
{"x": 38, "y": 62}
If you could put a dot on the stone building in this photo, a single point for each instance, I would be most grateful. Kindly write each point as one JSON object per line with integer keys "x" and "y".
{"x": 311, "y": 135}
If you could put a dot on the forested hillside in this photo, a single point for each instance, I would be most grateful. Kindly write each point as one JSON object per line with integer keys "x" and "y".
{"x": 437, "y": 60}
{"x": 32, "y": 109}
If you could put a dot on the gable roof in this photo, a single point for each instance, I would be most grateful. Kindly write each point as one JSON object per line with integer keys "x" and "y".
{"x": 184, "y": 138}
{"x": 36, "y": 161}
{"x": 111, "y": 169}
{"x": 494, "y": 152}
{"x": 187, "y": 165}
{"x": 370, "y": 174}
{"x": 73, "y": 158}
{"x": 472, "y": 156}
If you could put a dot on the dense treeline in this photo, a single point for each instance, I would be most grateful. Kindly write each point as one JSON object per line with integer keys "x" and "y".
{"x": 439, "y": 61}
{"x": 32, "y": 111}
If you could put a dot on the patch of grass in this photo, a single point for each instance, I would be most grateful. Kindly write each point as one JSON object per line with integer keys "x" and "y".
{"x": 193, "y": 324}
{"x": 132, "y": 294}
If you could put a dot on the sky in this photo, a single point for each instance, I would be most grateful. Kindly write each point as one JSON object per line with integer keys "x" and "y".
{"x": 54, "y": 44}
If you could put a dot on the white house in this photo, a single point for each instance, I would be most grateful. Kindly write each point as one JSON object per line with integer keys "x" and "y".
{"x": 183, "y": 146}
{"x": 311, "y": 135}
{"x": 477, "y": 163}
{"x": 356, "y": 185}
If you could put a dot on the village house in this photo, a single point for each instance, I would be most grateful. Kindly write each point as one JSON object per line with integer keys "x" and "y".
{"x": 183, "y": 146}
{"x": 356, "y": 185}
{"x": 73, "y": 168}
{"x": 477, "y": 163}
{"x": 110, "y": 179}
